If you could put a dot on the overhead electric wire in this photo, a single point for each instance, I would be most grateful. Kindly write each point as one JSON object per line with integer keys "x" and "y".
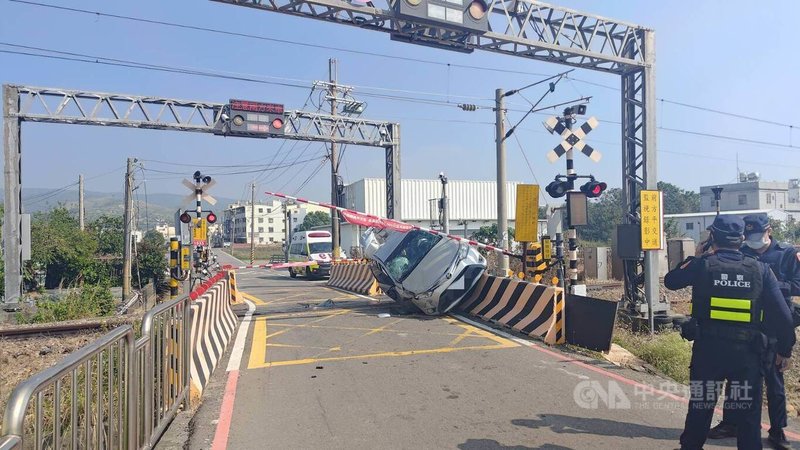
{"x": 370, "y": 53}
{"x": 144, "y": 66}
{"x": 242, "y": 172}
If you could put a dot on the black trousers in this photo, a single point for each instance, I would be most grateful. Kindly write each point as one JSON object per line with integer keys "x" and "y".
{"x": 714, "y": 361}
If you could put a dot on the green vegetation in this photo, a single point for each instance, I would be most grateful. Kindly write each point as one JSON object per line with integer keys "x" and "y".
{"x": 87, "y": 302}
{"x": 788, "y": 231}
{"x": 666, "y": 351}
{"x": 63, "y": 255}
{"x": 314, "y": 219}
{"x": 262, "y": 252}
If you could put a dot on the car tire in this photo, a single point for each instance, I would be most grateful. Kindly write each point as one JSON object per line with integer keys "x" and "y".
{"x": 292, "y": 273}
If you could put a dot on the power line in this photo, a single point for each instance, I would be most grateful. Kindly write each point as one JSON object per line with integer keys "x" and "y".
{"x": 242, "y": 172}
{"x": 372, "y": 54}
{"x": 145, "y": 66}
{"x": 272, "y": 39}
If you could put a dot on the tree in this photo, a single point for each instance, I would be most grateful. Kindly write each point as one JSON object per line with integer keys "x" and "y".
{"x": 315, "y": 219}
{"x": 151, "y": 261}
{"x": 605, "y": 214}
{"x": 788, "y": 231}
{"x": 488, "y": 234}
{"x": 677, "y": 200}
{"x": 109, "y": 232}
{"x": 66, "y": 253}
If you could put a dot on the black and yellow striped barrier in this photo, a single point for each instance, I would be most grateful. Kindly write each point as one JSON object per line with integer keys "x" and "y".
{"x": 354, "y": 276}
{"x": 533, "y": 309}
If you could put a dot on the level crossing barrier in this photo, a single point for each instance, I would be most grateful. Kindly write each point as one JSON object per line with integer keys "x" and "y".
{"x": 353, "y": 275}
{"x": 533, "y": 309}
{"x": 122, "y": 392}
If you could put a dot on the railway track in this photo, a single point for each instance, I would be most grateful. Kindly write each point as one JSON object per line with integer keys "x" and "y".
{"x": 16, "y": 331}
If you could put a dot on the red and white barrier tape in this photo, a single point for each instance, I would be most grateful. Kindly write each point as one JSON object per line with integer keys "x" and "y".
{"x": 273, "y": 266}
{"x": 369, "y": 220}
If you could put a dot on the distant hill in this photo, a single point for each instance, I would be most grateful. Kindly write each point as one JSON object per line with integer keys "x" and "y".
{"x": 159, "y": 207}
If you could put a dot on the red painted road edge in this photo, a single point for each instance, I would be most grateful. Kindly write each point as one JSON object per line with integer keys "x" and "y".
{"x": 226, "y": 413}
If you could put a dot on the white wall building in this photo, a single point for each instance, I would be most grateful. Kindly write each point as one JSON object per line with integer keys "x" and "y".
{"x": 270, "y": 222}
{"x": 694, "y": 225}
{"x": 754, "y": 195}
{"x": 473, "y": 204}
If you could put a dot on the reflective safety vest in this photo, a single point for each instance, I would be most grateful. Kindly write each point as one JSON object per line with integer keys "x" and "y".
{"x": 729, "y": 292}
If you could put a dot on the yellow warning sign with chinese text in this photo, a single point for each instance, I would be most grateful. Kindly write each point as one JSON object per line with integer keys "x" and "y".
{"x": 527, "y": 220}
{"x": 652, "y": 224}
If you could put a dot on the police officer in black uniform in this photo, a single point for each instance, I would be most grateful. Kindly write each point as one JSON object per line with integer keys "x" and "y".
{"x": 784, "y": 261}
{"x": 733, "y": 299}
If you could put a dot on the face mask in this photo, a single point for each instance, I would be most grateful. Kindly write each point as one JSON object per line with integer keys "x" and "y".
{"x": 760, "y": 244}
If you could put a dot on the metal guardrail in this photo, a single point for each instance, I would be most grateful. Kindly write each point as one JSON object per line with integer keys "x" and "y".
{"x": 86, "y": 398}
{"x": 116, "y": 392}
{"x": 162, "y": 355}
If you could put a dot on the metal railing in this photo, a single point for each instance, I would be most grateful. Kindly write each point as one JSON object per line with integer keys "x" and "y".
{"x": 162, "y": 354}
{"x": 116, "y": 392}
{"x": 86, "y": 400}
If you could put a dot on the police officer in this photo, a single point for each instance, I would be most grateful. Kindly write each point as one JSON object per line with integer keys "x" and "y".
{"x": 729, "y": 294}
{"x": 785, "y": 264}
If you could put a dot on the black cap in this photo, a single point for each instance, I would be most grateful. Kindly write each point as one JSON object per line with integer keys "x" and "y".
{"x": 727, "y": 230}
{"x": 755, "y": 223}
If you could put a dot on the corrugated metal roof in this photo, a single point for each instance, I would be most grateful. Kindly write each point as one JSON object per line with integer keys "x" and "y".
{"x": 469, "y": 199}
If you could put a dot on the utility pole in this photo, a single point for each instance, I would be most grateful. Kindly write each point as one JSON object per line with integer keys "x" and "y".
{"x": 81, "y": 208}
{"x": 287, "y": 239}
{"x": 502, "y": 219}
{"x": 126, "y": 252}
{"x": 445, "y": 205}
{"x": 572, "y": 233}
{"x": 333, "y": 75}
{"x": 252, "y": 222}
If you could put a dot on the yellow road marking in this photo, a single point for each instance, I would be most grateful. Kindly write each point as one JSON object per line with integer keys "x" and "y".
{"x": 295, "y": 362}
{"x": 258, "y": 350}
{"x": 460, "y": 338}
{"x": 368, "y": 333}
{"x": 272, "y": 344}
{"x": 310, "y": 314}
{"x": 331, "y": 327}
{"x": 253, "y": 298}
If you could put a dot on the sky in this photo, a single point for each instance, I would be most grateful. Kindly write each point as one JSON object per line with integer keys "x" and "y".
{"x": 727, "y": 56}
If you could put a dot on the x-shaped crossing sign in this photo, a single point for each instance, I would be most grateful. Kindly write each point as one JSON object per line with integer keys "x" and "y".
{"x": 572, "y": 139}
{"x": 203, "y": 191}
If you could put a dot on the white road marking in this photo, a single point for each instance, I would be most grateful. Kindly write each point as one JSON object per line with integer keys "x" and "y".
{"x": 241, "y": 338}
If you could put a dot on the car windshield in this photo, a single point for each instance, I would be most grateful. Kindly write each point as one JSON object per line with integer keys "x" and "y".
{"x": 320, "y": 247}
{"x": 409, "y": 253}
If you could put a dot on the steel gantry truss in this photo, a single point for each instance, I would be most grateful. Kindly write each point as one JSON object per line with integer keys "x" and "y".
{"x": 543, "y": 32}
{"x": 34, "y": 104}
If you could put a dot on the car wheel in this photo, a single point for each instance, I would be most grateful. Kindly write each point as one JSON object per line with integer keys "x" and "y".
{"x": 292, "y": 273}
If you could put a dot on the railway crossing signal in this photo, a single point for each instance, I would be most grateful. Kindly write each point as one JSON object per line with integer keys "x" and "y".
{"x": 572, "y": 139}
{"x": 594, "y": 189}
{"x": 557, "y": 188}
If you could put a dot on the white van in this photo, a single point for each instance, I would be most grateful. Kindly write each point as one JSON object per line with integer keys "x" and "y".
{"x": 314, "y": 246}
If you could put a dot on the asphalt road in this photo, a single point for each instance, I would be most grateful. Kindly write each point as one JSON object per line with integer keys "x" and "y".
{"x": 342, "y": 376}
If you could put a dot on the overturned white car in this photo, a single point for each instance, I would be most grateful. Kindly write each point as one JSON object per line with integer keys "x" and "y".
{"x": 432, "y": 272}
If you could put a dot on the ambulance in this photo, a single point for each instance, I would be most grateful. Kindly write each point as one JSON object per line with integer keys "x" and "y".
{"x": 316, "y": 246}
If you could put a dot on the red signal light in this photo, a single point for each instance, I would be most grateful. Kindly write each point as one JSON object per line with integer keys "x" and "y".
{"x": 277, "y": 123}
{"x": 594, "y": 189}
{"x": 185, "y": 217}
{"x": 211, "y": 217}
